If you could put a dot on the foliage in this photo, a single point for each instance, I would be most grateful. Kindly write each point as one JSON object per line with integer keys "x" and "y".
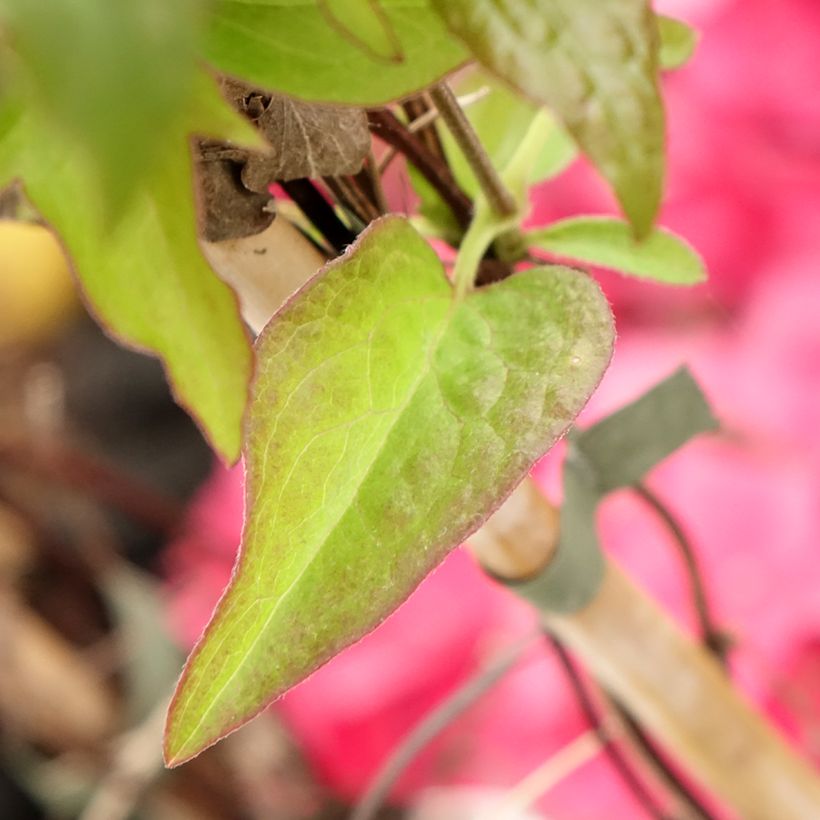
{"x": 390, "y": 412}
{"x": 419, "y": 416}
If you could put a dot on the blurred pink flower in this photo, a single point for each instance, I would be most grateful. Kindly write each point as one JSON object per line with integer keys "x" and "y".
{"x": 744, "y": 155}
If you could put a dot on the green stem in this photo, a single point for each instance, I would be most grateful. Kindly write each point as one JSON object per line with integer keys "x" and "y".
{"x": 484, "y": 228}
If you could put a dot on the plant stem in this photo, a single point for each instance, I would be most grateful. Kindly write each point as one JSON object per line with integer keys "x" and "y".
{"x": 376, "y": 183}
{"x": 500, "y": 200}
{"x": 611, "y": 750}
{"x": 433, "y": 724}
{"x": 385, "y": 125}
{"x": 682, "y": 696}
{"x": 659, "y": 763}
{"x": 317, "y": 209}
{"x": 713, "y": 637}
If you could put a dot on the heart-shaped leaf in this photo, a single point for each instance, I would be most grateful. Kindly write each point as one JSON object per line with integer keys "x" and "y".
{"x": 387, "y": 421}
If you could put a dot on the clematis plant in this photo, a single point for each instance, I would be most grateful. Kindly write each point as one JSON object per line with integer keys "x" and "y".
{"x": 390, "y": 404}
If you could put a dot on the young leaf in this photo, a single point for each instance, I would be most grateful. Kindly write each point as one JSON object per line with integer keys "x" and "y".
{"x": 678, "y": 42}
{"x": 662, "y": 256}
{"x": 387, "y": 421}
{"x": 144, "y": 276}
{"x": 293, "y": 48}
{"x": 594, "y": 62}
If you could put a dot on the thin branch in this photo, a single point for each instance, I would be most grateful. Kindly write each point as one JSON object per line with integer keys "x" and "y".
{"x": 432, "y": 725}
{"x": 319, "y": 211}
{"x": 713, "y": 637}
{"x": 76, "y": 470}
{"x": 429, "y": 117}
{"x": 549, "y": 774}
{"x": 419, "y": 110}
{"x": 616, "y": 758}
{"x": 349, "y": 194}
{"x": 386, "y": 125}
{"x": 659, "y": 763}
{"x": 135, "y": 766}
{"x": 372, "y": 168}
{"x": 496, "y": 193}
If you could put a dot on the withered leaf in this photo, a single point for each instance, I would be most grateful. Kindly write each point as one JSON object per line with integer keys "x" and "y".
{"x": 227, "y": 209}
{"x": 307, "y": 139}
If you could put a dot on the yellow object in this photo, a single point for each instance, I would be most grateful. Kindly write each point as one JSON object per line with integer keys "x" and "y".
{"x": 37, "y": 293}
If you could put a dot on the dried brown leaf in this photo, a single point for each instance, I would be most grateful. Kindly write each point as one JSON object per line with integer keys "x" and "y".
{"x": 306, "y": 139}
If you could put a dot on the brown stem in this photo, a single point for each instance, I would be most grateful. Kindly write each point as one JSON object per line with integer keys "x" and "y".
{"x": 105, "y": 483}
{"x": 619, "y": 762}
{"x": 419, "y": 109}
{"x": 317, "y": 209}
{"x": 348, "y": 192}
{"x": 385, "y": 125}
{"x": 431, "y": 725}
{"x": 713, "y": 637}
{"x": 372, "y": 170}
{"x": 498, "y": 197}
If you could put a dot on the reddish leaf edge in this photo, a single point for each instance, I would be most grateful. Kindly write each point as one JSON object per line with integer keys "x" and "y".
{"x": 228, "y": 457}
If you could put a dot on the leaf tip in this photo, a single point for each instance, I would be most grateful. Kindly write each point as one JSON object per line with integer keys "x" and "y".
{"x": 180, "y": 743}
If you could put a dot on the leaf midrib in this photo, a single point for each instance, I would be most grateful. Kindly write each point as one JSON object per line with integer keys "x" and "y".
{"x": 425, "y": 371}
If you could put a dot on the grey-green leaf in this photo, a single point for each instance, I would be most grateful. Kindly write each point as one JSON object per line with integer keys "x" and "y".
{"x": 661, "y": 256}
{"x": 595, "y": 63}
{"x": 292, "y": 47}
{"x": 387, "y": 421}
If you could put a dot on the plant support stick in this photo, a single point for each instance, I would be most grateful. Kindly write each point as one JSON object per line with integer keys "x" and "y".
{"x": 671, "y": 684}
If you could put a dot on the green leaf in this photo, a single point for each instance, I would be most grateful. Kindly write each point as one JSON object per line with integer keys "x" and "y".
{"x": 387, "y": 421}
{"x": 290, "y": 46}
{"x": 661, "y": 256}
{"x": 623, "y": 447}
{"x": 365, "y": 24}
{"x": 144, "y": 276}
{"x": 594, "y": 62}
{"x": 678, "y": 42}
{"x": 109, "y": 76}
